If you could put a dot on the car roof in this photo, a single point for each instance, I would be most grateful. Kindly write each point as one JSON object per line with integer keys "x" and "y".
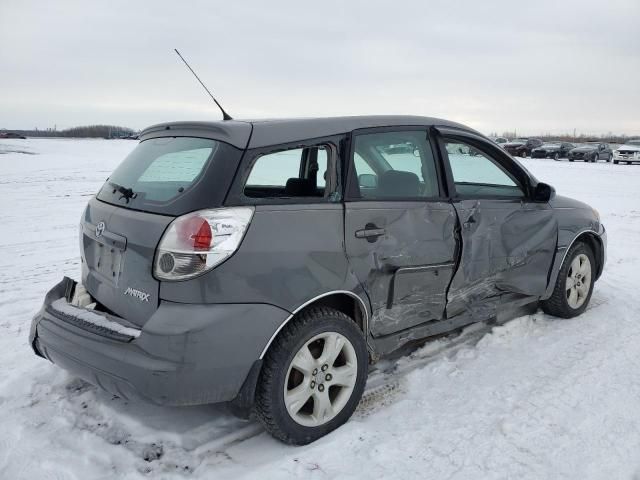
{"x": 262, "y": 133}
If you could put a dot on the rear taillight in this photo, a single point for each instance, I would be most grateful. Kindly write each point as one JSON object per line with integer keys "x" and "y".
{"x": 198, "y": 241}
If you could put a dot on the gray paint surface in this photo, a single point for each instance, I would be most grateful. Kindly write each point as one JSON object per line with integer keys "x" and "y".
{"x": 290, "y": 254}
{"x": 109, "y": 268}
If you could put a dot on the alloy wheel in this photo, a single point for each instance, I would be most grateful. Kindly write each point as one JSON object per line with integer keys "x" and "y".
{"x": 578, "y": 281}
{"x": 320, "y": 379}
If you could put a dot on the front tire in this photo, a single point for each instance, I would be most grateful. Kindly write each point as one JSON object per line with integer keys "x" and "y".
{"x": 574, "y": 285}
{"x": 523, "y": 154}
{"x": 313, "y": 376}
{"x": 556, "y": 156}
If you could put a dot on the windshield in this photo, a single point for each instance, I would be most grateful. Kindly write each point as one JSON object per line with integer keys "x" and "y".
{"x": 161, "y": 174}
{"x": 520, "y": 140}
{"x": 635, "y": 142}
{"x": 551, "y": 145}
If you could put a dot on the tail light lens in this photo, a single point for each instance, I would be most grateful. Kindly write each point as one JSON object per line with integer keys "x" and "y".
{"x": 195, "y": 243}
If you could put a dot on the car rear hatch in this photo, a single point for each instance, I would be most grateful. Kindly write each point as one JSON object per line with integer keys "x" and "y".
{"x": 117, "y": 248}
{"x": 122, "y": 225}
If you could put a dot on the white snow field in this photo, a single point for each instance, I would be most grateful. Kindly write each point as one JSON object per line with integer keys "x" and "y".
{"x": 535, "y": 398}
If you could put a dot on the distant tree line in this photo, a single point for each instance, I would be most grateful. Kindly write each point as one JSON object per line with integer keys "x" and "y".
{"x": 88, "y": 131}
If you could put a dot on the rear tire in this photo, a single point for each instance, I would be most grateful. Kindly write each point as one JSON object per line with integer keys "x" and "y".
{"x": 615, "y": 162}
{"x": 313, "y": 376}
{"x": 523, "y": 154}
{"x": 574, "y": 284}
{"x": 556, "y": 156}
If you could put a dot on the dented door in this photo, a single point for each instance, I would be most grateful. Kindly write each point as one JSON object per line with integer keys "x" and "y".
{"x": 405, "y": 263}
{"x": 399, "y": 228}
{"x": 508, "y": 240}
{"x": 507, "y": 247}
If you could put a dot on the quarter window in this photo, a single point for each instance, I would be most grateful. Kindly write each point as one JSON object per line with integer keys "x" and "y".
{"x": 299, "y": 172}
{"x": 395, "y": 165}
{"x": 477, "y": 174}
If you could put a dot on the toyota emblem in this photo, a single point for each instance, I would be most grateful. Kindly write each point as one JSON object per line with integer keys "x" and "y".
{"x": 100, "y": 229}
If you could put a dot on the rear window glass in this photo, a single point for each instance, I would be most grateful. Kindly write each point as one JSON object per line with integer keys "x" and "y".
{"x": 158, "y": 171}
{"x": 181, "y": 167}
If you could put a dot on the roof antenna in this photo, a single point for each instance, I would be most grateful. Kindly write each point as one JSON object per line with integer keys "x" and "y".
{"x": 225, "y": 115}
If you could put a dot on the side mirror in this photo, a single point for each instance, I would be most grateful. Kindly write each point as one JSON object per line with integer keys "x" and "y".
{"x": 368, "y": 180}
{"x": 543, "y": 192}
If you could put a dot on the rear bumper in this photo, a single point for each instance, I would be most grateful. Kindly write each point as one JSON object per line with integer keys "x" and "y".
{"x": 185, "y": 354}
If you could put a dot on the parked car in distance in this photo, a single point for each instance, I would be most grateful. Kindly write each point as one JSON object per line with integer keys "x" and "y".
{"x": 591, "y": 152}
{"x": 232, "y": 262}
{"x": 627, "y": 153}
{"x": 555, "y": 150}
{"x": 522, "y": 147}
{"x": 11, "y": 135}
{"x": 499, "y": 140}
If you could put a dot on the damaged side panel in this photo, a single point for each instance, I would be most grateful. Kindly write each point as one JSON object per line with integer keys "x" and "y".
{"x": 507, "y": 248}
{"x": 407, "y": 267}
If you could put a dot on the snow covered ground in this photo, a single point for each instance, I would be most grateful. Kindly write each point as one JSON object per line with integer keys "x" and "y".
{"x": 535, "y": 398}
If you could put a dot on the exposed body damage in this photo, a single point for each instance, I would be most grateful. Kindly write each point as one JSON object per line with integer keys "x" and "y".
{"x": 501, "y": 259}
{"x": 507, "y": 247}
{"x": 407, "y": 270}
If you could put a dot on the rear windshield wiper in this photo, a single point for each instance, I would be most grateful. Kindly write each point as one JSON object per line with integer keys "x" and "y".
{"x": 126, "y": 193}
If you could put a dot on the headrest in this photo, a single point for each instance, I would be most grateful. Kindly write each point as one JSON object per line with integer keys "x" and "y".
{"x": 300, "y": 187}
{"x": 396, "y": 183}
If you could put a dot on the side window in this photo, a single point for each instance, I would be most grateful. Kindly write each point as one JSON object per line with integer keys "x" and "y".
{"x": 299, "y": 172}
{"x": 477, "y": 174}
{"x": 395, "y": 165}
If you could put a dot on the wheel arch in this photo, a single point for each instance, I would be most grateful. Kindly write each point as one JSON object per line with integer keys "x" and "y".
{"x": 345, "y": 301}
{"x": 587, "y": 236}
{"x": 594, "y": 242}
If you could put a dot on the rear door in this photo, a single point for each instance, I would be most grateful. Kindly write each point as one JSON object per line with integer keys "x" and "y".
{"x": 508, "y": 241}
{"x": 399, "y": 227}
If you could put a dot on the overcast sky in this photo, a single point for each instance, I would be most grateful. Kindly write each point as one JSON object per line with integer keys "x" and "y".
{"x": 537, "y": 67}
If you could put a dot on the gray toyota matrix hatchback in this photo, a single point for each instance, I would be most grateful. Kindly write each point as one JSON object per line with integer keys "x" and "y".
{"x": 268, "y": 263}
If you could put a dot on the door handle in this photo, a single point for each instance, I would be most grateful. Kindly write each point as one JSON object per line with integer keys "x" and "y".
{"x": 370, "y": 232}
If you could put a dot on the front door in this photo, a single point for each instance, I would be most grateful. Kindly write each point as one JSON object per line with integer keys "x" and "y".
{"x": 399, "y": 227}
{"x": 508, "y": 241}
